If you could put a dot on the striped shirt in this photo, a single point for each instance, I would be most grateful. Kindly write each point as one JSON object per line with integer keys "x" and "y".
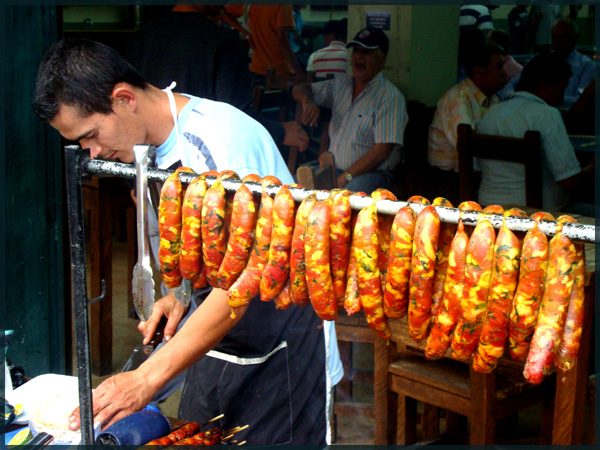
{"x": 334, "y": 60}
{"x": 464, "y": 103}
{"x": 377, "y": 116}
{"x": 503, "y": 182}
{"x": 475, "y": 16}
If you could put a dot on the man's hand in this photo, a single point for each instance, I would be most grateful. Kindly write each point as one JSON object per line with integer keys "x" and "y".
{"x": 310, "y": 113}
{"x": 295, "y": 135}
{"x": 115, "y": 398}
{"x": 169, "y": 307}
{"x": 341, "y": 181}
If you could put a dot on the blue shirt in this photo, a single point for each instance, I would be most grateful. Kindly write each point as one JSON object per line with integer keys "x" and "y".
{"x": 377, "y": 116}
{"x": 582, "y": 68}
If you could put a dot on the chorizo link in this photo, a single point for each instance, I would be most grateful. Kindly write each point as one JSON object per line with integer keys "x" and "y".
{"x": 571, "y": 338}
{"x": 247, "y": 286}
{"x": 448, "y": 312}
{"x": 553, "y": 307}
{"x": 478, "y": 271}
{"x": 505, "y": 275}
{"x": 190, "y": 256}
{"x": 299, "y": 289}
{"x": 339, "y": 243}
{"x": 395, "y": 297}
{"x": 425, "y": 243}
{"x": 525, "y": 305}
{"x": 367, "y": 270}
{"x": 447, "y": 232}
{"x": 169, "y": 229}
{"x": 318, "y": 272}
{"x": 240, "y": 240}
{"x": 277, "y": 269}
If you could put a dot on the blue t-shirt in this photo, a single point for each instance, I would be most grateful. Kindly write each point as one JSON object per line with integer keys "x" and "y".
{"x": 218, "y": 136}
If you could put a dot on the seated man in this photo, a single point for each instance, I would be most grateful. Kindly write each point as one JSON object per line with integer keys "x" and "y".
{"x": 533, "y": 107}
{"x": 564, "y": 38}
{"x": 464, "y": 103}
{"x": 368, "y": 115}
{"x": 333, "y": 58}
{"x": 512, "y": 67}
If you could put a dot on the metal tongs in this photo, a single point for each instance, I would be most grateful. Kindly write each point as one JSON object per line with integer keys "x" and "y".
{"x": 143, "y": 283}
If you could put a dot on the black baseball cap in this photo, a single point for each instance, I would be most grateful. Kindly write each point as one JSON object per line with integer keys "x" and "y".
{"x": 371, "y": 38}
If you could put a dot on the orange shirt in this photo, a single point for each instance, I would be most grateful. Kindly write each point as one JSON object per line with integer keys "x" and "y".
{"x": 264, "y": 22}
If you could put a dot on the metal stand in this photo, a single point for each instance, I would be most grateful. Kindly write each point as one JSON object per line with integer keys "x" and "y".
{"x": 79, "y": 167}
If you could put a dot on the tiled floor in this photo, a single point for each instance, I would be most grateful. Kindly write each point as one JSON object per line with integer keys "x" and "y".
{"x": 349, "y": 430}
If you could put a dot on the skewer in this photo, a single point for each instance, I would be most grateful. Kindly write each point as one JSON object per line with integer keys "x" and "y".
{"x": 212, "y": 420}
{"x": 235, "y": 430}
{"x": 242, "y": 443}
{"x": 576, "y": 231}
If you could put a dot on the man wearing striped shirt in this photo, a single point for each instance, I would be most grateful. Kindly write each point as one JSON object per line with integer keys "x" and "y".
{"x": 333, "y": 59}
{"x": 476, "y": 16}
{"x": 368, "y": 115}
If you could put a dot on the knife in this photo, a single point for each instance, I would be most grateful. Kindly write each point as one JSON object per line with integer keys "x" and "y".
{"x": 143, "y": 283}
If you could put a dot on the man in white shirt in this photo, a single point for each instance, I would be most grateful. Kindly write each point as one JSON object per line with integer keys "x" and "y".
{"x": 334, "y": 58}
{"x": 533, "y": 107}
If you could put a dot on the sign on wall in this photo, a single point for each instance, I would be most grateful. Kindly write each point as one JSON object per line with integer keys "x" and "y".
{"x": 379, "y": 19}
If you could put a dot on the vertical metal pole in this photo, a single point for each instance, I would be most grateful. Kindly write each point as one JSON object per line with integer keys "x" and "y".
{"x": 74, "y": 171}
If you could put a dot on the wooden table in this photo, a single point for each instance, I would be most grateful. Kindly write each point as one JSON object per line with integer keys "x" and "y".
{"x": 102, "y": 198}
{"x": 570, "y": 394}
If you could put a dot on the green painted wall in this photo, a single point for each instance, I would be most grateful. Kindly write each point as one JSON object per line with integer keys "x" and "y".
{"x": 423, "y": 47}
{"x": 33, "y": 300}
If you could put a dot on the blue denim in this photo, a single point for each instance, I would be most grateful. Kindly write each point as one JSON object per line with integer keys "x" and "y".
{"x": 368, "y": 182}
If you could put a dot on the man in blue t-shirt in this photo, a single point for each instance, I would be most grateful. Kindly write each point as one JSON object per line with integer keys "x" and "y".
{"x": 266, "y": 367}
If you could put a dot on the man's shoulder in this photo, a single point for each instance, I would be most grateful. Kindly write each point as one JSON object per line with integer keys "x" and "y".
{"x": 389, "y": 88}
{"x": 461, "y": 89}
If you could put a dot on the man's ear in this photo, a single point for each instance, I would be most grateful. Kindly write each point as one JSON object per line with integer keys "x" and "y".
{"x": 479, "y": 71}
{"x": 123, "y": 95}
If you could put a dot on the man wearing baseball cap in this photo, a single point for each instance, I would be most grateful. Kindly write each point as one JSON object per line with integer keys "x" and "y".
{"x": 368, "y": 115}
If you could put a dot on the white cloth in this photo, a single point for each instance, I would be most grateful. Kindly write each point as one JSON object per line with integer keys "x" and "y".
{"x": 502, "y": 182}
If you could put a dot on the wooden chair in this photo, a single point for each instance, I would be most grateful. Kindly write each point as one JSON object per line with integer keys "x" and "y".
{"x": 526, "y": 150}
{"x": 322, "y": 177}
{"x": 455, "y": 387}
{"x": 414, "y": 172}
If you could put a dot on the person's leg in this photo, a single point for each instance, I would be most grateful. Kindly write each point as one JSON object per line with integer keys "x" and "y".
{"x": 368, "y": 182}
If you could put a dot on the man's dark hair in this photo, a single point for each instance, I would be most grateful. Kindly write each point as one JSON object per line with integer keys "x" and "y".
{"x": 81, "y": 73}
{"x": 341, "y": 30}
{"x": 479, "y": 54}
{"x": 501, "y": 38}
{"x": 545, "y": 66}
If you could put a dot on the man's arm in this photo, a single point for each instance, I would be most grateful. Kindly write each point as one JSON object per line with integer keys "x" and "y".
{"x": 310, "y": 111}
{"x": 588, "y": 172}
{"x": 128, "y": 392}
{"x": 369, "y": 162}
{"x": 288, "y": 54}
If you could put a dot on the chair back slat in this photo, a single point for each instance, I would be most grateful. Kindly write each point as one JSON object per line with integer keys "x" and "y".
{"x": 526, "y": 150}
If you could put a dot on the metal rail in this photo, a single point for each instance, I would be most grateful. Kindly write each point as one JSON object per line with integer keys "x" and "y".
{"x": 575, "y": 231}
{"x": 79, "y": 168}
